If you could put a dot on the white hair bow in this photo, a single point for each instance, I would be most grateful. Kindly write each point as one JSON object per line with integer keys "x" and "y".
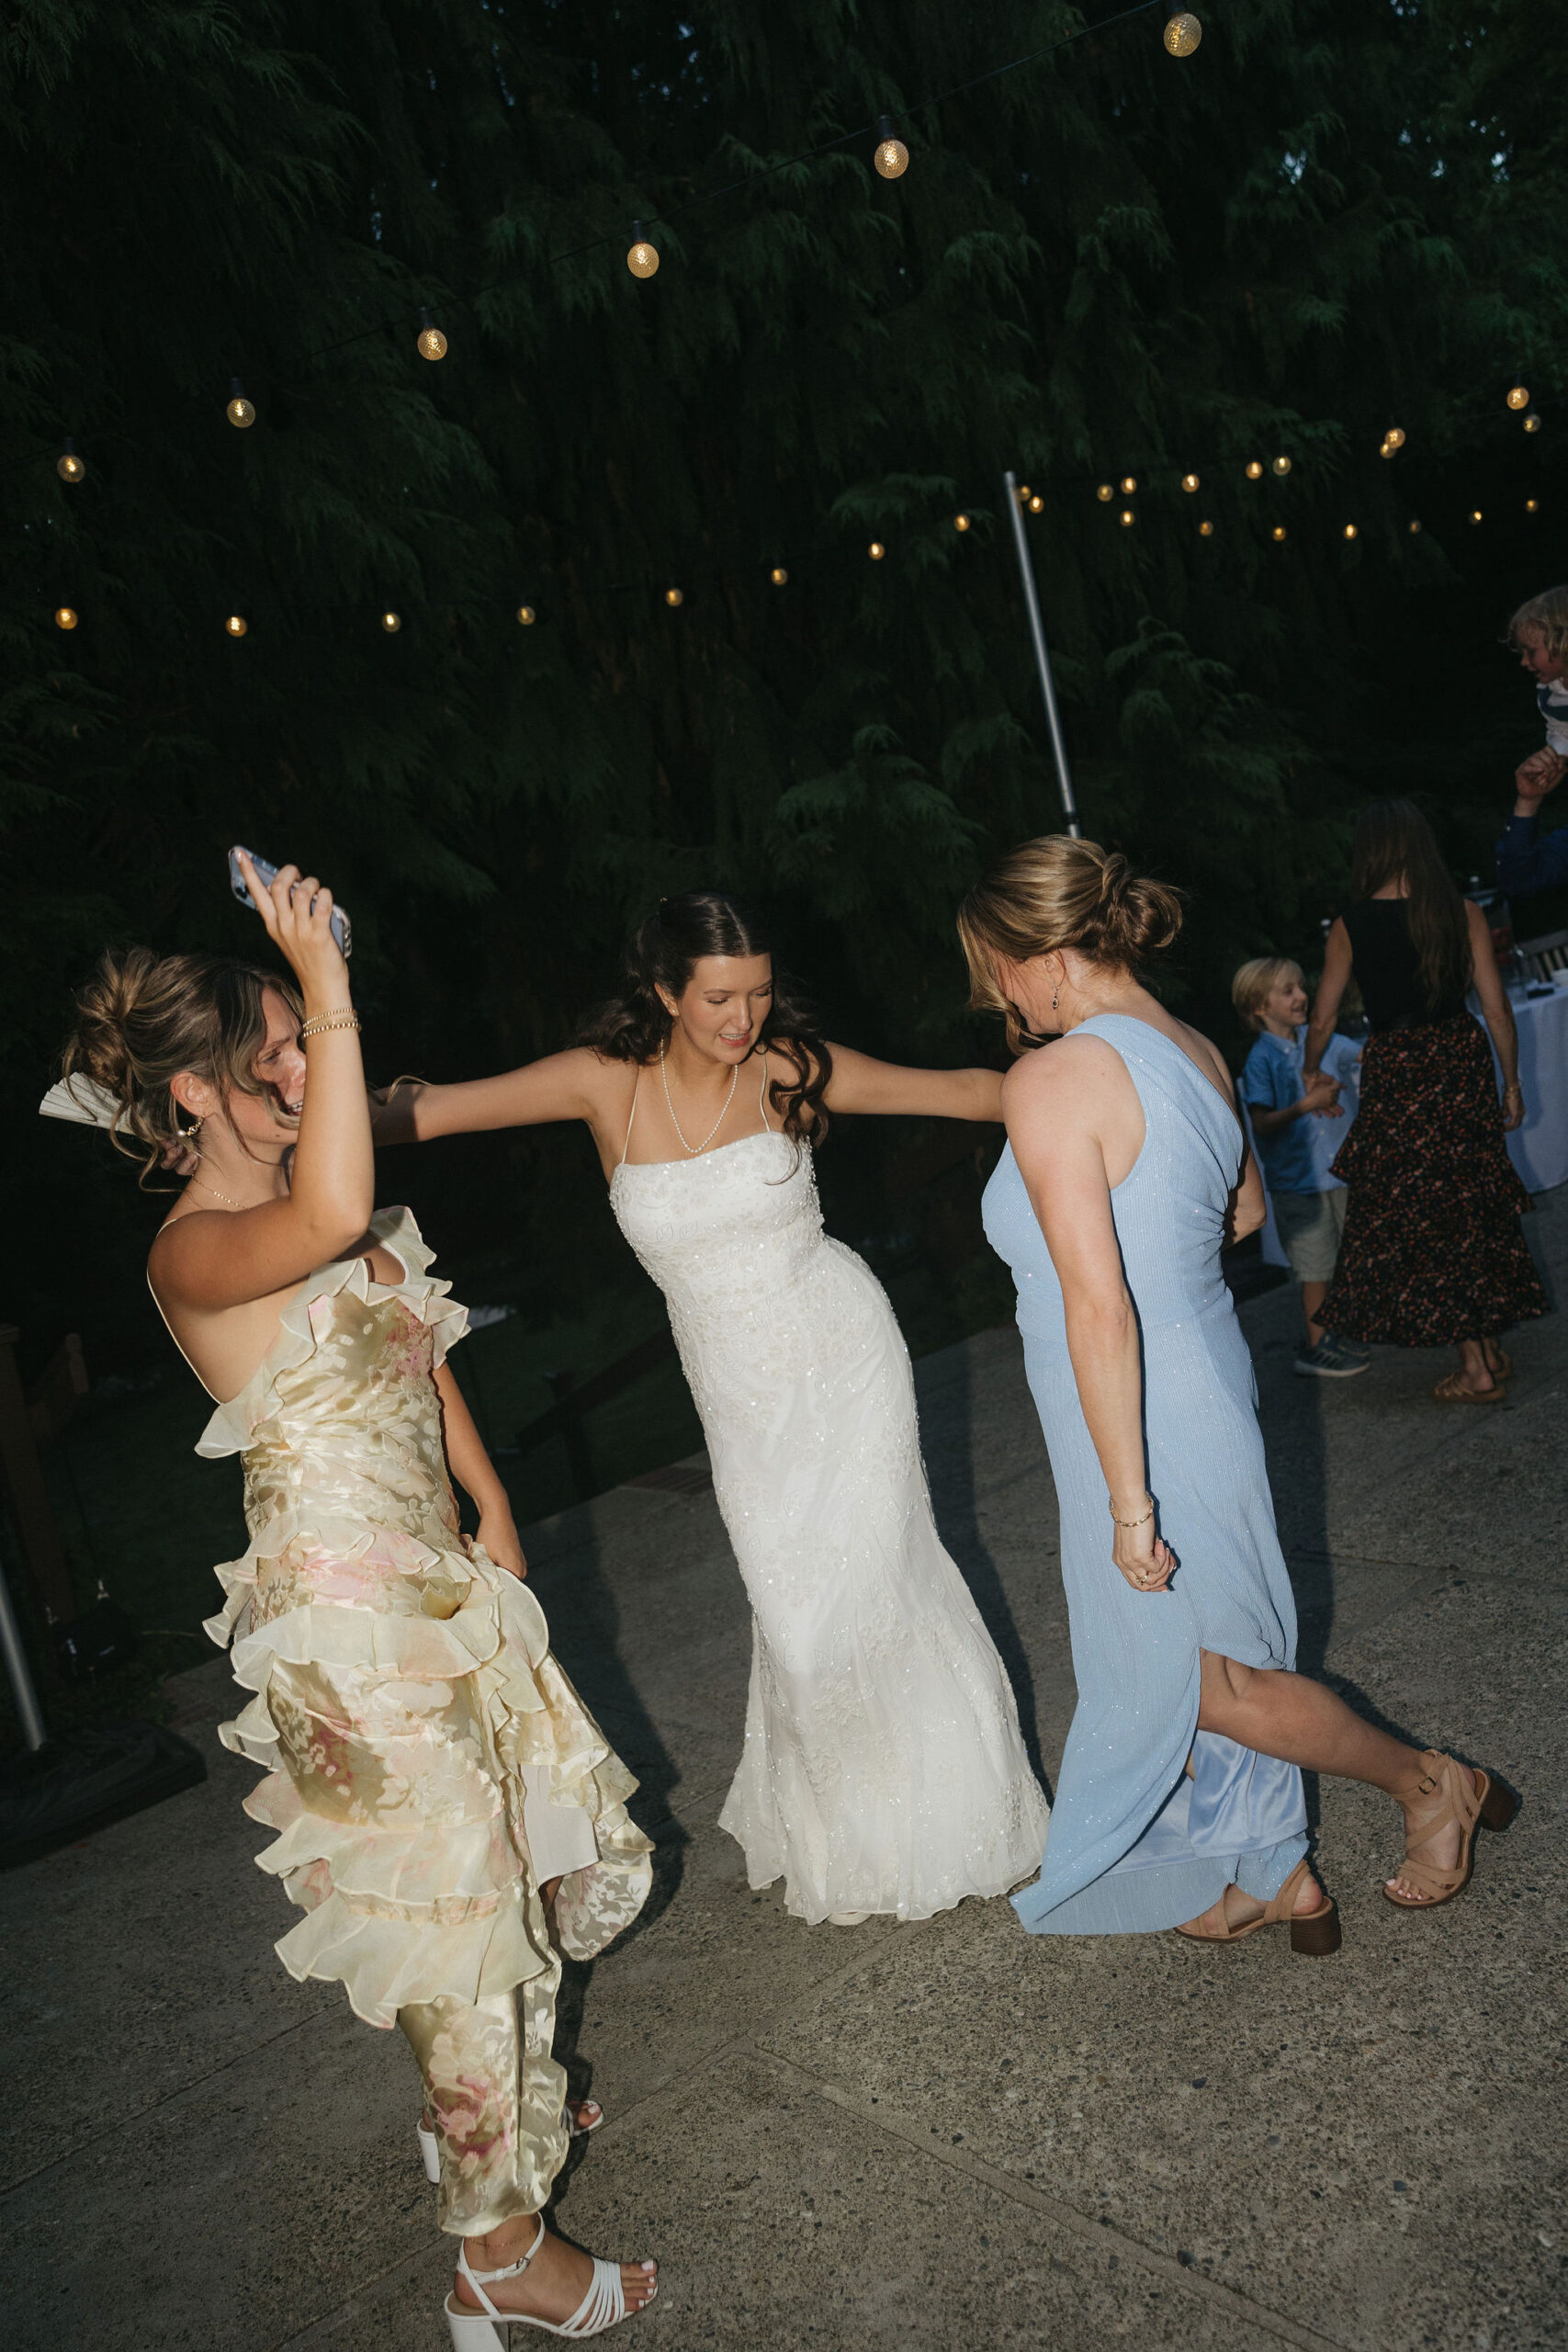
{"x": 83, "y": 1102}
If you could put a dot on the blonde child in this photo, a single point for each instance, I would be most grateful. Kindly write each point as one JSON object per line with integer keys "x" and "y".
{"x": 1539, "y": 631}
{"x": 1298, "y": 1125}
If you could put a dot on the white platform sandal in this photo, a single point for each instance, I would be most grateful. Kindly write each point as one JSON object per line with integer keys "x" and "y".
{"x": 603, "y": 2306}
{"x": 430, "y": 2153}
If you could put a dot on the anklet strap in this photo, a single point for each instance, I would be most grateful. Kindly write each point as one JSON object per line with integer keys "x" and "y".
{"x": 480, "y": 2279}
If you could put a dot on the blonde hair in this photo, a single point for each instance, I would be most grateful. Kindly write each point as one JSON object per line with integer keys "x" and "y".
{"x": 1056, "y": 892}
{"x": 144, "y": 1018}
{"x": 1545, "y": 615}
{"x": 1255, "y": 983}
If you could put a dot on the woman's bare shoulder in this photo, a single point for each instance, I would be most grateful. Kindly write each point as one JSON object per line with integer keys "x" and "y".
{"x": 1069, "y": 1068}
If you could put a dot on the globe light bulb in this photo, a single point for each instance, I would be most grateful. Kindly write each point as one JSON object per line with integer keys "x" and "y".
{"x": 1413, "y": 526}
{"x": 779, "y": 576}
{"x": 961, "y": 522}
{"x": 1532, "y": 506}
{"x": 1531, "y": 424}
{"x": 64, "y": 616}
{"x": 236, "y": 625}
{"x": 1205, "y": 530}
{"x": 1475, "y": 514}
{"x": 527, "y": 616}
{"x": 1386, "y": 448}
{"x": 643, "y": 258}
{"x": 1281, "y": 466}
{"x": 673, "y": 596}
{"x": 1128, "y": 484}
{"x": 391, "y": 623}
{"x": 1024, "y": 495}
{"x": 1182, "y": 34}
{"x": 1126, "y": 516}
{"x": 1036, "y": 503}
{"x": 892, "y": 157}
{"x": 1350, "y": 532}
{"x": 1395, "y": 436}
{"x": 1254, "y": 471}
{"x": 1278, "y": 531}
{"x": 239, "y": 411}
{"x": 876, "y": 550}
{"x": 1188, "y": 482}
{"x": 1106, "y": 493}
{"x": 69, "y": 466}
{"x": 1519, "y": 397}
{"x": 432, "y": 342}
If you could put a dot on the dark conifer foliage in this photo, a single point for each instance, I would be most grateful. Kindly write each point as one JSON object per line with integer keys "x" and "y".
{"x": 1339, "y": 215}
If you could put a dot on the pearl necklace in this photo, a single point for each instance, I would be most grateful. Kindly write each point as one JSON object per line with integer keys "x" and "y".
{"x": 694, "y": 1149}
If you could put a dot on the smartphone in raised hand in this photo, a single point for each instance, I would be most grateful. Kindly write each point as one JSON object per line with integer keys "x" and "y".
{"x": 341, "y": 929}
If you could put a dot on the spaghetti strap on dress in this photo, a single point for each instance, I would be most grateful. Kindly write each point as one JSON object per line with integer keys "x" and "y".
{"x": 1136, "y": 1843}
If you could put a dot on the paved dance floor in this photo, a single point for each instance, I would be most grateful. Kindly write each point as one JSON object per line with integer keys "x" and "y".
{"x": 934, "y": 2136}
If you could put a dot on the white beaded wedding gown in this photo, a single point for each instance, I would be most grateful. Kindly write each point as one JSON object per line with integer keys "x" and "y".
{"x": 883, "y": 1768}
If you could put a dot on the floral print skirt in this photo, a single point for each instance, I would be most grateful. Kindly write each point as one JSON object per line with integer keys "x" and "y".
{"x": 1432, "y": 1251}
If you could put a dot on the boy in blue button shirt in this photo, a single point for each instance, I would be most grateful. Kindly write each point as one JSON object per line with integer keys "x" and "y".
{"x": 1298, "y": 1125}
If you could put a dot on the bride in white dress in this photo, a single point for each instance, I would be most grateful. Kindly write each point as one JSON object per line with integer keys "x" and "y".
{"x": 883, "y": 1769}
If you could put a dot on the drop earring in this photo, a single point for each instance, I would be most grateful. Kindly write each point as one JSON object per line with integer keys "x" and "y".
{"x": 1055, "y": 998}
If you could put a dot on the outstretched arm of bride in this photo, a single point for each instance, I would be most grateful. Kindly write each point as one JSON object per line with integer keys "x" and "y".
{"x": 560, "y": 1086}
{"x": 860, "y": 1083}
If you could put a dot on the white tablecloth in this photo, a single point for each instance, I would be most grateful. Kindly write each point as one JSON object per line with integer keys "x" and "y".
{"x": 1540, "y": 1148}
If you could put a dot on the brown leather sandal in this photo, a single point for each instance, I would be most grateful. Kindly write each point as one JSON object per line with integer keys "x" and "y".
{"x": 1451, "y": 1390}
{"x": 1317, "y": 1933}
{"x": 1487, "y": 1805}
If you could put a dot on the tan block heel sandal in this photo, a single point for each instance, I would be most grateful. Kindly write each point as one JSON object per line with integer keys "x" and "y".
{"x": 1317, "y": 1933}
{"x": 1488, "y": 1806}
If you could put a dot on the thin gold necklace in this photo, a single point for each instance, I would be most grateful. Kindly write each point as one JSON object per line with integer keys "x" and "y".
{"x": 694, "y": 1149}
{"x": 200, "y": 1183}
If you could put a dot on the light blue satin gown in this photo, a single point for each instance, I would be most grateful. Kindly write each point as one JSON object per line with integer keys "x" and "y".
{"x": 1136, "y": 1843}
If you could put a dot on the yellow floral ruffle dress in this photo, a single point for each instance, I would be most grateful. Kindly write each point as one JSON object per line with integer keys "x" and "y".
{"x": 415, "y": 1726}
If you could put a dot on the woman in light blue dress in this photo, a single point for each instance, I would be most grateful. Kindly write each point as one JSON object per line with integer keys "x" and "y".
{"x": 1180, "y": 1801}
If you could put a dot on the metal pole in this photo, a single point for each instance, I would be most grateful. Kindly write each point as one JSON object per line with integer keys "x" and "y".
{"x": 22, "y": 1681}
{"x": 1041, "y": 658}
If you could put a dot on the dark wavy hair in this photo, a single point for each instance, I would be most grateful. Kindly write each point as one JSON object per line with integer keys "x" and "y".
{"x": 1393, "y": 839}
{"x": 635, "y": 1027}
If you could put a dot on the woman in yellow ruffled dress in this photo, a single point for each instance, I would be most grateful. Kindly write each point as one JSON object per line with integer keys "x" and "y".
{"x": 448, "y": 1816}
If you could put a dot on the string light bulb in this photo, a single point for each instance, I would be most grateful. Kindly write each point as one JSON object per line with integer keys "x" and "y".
{"x": 1128, "y": 484}
{"x": 1395, "y": 436}
{"x": 1182, "y": 34}
{"x": 1188, "y": 482}
{"x": 1518, "y": 397}
{"x": 1036, "y": 503}
{"x": 1413, "y": 526}
{"x": 1254, "y": 470}
{"x": 1125, "y": 517}
{"x": 1205, "y": 530}
{"x": 674, "y": 596}
{"x": 892, "y": 157}
{"x": 391, "y": 623}
{"x": 236, "y": 625}
{"x": 1532, "y": 506}
{"x": 1386, "y": 447}
{"x": 1531, "y": 422}
{"x": 1024, "y": 495}
{"x": 1278, "y": 532}
{"x": 779, "y": 576}
{"x": 1281, "y": 466}
{"x": 239, "y": 411}
{"x": 64, "y": 616}
{"x": 643, "y": 258}
{"x": 432, "y": 342}
{"x": 876, "y": 550}
{"x": 69, "y": 466}
{"x": 527, "y": 616}
{"x": 1106, "y": 493}
{"x": 1475, "y": 514}
{"x": 1349, "y": 531}
{"x": 961, "y": 522}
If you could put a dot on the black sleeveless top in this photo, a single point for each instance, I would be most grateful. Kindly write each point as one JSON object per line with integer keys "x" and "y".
{"x": 1386, "y": 967}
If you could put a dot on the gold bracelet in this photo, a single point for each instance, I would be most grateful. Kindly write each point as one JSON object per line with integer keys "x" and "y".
{"x": 1131, "y": 1522}
{"x": 344, "y": 1017}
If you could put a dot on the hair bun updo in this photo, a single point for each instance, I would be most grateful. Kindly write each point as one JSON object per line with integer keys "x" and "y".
{"x": 1057, "y": 892}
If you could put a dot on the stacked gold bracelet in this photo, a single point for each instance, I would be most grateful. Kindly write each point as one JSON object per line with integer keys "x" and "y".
{"x": 344, "y": 1018}
{"x": 1133, "y": 1522}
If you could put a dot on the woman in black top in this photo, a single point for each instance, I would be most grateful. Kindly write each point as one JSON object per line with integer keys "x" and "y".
{"x": 1432, "y": 1251}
